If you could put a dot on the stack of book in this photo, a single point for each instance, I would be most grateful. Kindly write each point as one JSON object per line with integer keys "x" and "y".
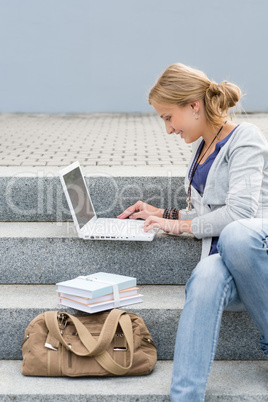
{"x": 98, "y": 292}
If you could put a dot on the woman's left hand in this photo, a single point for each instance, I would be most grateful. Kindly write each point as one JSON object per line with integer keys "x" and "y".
{"x": 167, "y": 225}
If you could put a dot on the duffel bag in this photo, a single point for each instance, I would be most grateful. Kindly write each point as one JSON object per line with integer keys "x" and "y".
{"x": 114, "y": 343}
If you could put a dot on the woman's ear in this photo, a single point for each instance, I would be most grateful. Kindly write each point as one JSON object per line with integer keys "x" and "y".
{"x": 195, "y": 106}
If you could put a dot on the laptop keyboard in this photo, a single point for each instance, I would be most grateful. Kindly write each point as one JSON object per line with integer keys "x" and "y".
{"x": 113, "y": 228}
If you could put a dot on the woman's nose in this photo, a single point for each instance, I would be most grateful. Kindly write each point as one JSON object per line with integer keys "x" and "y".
{"x": 169, "y": 129}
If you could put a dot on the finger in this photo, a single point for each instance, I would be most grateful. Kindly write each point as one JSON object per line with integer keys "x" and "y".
{"x": 151, "y": 219}
{"x": 153, "y": 225}
{"x": 122, "y": 215}
{"x": 136, "y": 215}
{"x": 127, "y": 212}
{"x": 150, "y": 227}
{"x": 130, "y": 210}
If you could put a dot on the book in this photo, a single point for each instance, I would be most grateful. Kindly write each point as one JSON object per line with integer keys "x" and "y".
{"x": 95, "y": 285}
{"x": 100, "y": 306}
{"x": 110, "y": 297}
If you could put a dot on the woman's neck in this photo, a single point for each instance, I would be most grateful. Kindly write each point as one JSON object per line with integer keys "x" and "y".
{"x": 211, "y": 137}
{"x": 211, "y": 132}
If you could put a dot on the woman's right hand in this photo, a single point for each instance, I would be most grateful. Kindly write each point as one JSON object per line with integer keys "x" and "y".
{"x": 141, "y": 210}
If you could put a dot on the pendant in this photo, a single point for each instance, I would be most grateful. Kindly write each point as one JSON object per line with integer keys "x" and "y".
{"x": 189, "y": 205}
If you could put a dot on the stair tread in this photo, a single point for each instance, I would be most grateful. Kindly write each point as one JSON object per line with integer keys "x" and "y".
{"x": 45, "y": 252}
{"x": 54, "y": 230}
{"x": 229, "y": 381}
{"x": 45, "y": 297}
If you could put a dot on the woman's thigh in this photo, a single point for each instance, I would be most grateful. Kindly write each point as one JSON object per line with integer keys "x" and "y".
{"x": 211, "y": 280}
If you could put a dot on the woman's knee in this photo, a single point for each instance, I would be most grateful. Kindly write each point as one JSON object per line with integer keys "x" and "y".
{"x": 208, "y": 277}
{"x": 240, "y": 245}
{"x": 231, "y": 235}
{"x": 237, "y": 239}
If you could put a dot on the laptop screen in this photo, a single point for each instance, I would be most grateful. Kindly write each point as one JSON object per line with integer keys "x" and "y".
{"x": 79, "y": 197}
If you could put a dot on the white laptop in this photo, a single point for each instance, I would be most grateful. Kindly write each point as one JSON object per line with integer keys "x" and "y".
{"x": 87, "y": 224}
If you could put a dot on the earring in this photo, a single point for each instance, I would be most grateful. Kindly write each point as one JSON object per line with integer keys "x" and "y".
{"x": 196, "y": 115}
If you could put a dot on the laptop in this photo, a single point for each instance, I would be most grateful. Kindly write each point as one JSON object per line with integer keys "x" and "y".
{"x": 88, "y": 225}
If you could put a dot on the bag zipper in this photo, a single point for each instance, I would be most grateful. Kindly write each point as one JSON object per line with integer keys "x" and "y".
{"x": 70, "y": 355}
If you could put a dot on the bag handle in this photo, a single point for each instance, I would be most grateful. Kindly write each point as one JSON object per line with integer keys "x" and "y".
{"x": 106, "y": 335}
{"x": 97, "y": 348}
{"x": 108, "y": 331}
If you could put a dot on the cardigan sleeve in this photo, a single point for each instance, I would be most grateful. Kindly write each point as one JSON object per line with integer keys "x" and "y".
{"x": 245, "y": 164}
{"x": 187, "y": 215}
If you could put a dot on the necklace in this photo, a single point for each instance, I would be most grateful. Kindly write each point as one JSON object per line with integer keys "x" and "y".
{"x": 195, "y": 165}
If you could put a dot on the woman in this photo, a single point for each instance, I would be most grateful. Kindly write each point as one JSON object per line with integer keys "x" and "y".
{"x": 226, "y": 181}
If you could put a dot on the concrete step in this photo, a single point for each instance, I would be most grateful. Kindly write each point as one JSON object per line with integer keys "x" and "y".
{"x": 47, "y": 252}
{"x": 228, "y": 382}
{"x": 36, "y": 195}
{"x": 161, "y": 310}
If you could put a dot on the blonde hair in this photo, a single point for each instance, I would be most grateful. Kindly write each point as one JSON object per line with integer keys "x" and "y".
{"x": 182, "y": 85}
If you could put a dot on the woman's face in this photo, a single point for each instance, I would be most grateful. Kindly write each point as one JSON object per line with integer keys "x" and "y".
{"x": 180, "y": 120}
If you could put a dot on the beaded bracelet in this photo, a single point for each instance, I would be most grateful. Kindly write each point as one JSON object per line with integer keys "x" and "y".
{"x": 166, "y": 213}
{"x": 171, "y": 213}
{"x": 175, "y": 213}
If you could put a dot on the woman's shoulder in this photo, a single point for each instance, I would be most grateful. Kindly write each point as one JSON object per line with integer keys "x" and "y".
{"x": 248, "y": 132}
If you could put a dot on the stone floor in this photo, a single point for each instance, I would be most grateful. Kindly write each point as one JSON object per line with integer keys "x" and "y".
{"x": 122, "y": 140}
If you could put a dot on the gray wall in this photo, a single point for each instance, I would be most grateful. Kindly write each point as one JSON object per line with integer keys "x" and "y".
{"x": 62, "y": 56}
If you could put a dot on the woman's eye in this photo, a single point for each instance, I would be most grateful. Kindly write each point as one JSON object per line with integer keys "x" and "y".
{"x": 168, "y": 118}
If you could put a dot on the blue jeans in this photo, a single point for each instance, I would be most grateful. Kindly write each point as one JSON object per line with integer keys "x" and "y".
{"x": 235, "y": 279}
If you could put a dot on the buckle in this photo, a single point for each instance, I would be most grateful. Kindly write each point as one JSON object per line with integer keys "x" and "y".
{"x": 62, "y": 320}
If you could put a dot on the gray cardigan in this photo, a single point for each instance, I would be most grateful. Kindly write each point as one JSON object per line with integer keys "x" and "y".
{"x": 236, "y": 187}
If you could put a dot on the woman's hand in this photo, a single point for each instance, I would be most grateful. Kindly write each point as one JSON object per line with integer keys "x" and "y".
{"x": 167, "y": 225}
{"x": 141, "y": 210}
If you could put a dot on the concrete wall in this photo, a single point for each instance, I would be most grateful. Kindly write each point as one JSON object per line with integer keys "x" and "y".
{"x": 62, "y": 56}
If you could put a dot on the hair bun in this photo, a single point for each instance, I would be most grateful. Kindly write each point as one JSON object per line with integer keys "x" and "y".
{"x": 223, "y": 96}
{"x": 214, "y": 88}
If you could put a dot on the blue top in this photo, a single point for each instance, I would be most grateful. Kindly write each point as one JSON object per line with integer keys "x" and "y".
{"x": 201, "y": 174}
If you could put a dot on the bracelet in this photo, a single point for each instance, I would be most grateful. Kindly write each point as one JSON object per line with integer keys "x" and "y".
{"x": 166, "y": 213}
{"x": 175, "y": 213}
{"x": 171, "y": 213}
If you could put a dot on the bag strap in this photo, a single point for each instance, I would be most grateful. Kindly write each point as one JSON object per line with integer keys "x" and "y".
{"x": 108, "y": 330}
{"x": 97, "y": 348}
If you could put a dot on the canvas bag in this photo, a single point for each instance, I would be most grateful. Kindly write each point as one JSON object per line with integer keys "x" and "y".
{"x": 114, "y": 343}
